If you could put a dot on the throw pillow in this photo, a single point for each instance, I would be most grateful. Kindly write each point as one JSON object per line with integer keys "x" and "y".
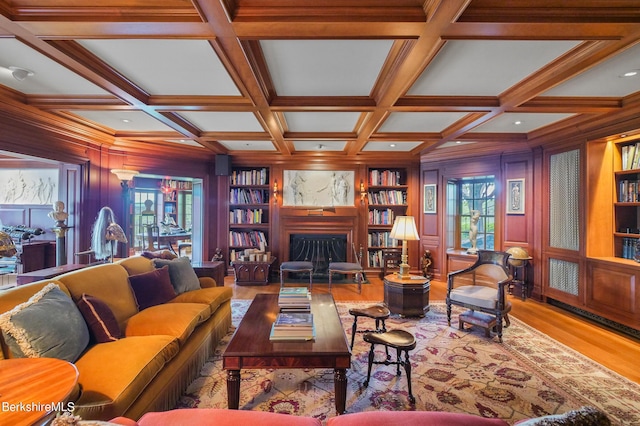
{"x": 183, "y": 277}
{"x": 103, "y": 325}
{"x": 49, "y": 324}
{"x": 152, "y": 288}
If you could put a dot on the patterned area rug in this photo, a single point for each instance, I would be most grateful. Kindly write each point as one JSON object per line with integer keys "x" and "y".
{"x": 528, "y": 375}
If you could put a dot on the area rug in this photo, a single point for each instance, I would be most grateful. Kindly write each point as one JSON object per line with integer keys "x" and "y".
{"x": 528, "y": 375}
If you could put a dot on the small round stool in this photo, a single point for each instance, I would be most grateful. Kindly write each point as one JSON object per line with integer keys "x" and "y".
{"x": 377, "y": 312}
{"x": 296, "y": 266}
{"x": 400, "y": 340}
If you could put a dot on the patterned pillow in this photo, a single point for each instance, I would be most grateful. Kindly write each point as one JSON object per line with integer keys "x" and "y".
{"x": 583, "y": 416}
{"x": 103, "y": 325}
{"x": 49, "y": 324}
{"x": 152, "y": 288}
{"x": 183, "y": 277}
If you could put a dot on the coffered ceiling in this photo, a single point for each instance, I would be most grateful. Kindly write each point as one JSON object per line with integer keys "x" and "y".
{"x": 341, "y": 77}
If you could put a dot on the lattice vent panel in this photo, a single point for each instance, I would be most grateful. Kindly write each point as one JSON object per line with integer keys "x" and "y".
{"x": 564, "y": 192}
{"x": 563, "y": 276}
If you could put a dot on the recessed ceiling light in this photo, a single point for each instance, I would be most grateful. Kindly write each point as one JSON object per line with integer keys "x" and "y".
{"x": 458, "y": 142}
{"x": 126, "y": 120}
{"x": 319, "y": 146}
{"x": 518, "y": 122}
{"x": 630, "y": 73}
{"x": 392, "y": 145}
{"x": 20, "y": 73}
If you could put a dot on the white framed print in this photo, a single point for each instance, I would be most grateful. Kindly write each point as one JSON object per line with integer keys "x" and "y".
{"x": 515, "y": 196}
{"x": 430, "y": 198}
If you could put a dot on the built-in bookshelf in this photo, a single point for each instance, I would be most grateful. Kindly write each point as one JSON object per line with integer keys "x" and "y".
{"x": 248, "y": 210}
{"x": 386, "y": 199}
{"x": 627, "y": 202}
{"x": 173, "y": 200}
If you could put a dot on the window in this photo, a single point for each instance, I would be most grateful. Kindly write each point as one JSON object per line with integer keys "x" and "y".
{"x": 464, "y": 196}
{"x": 144, "y": 213}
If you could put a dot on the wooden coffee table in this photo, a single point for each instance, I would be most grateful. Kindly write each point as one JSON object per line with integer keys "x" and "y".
{"x": 250, "y": 346}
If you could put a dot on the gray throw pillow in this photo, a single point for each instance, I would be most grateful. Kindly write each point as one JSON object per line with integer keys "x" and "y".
{"x": 49, "y": 325}
{"x": 183, "y": 277}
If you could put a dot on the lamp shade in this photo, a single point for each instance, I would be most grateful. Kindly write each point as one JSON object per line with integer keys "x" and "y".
{"x": 7, "y": 248}
{"x": 404, "y": 228}
{"x": 125, "y": 174}
{"x": 115, "y": 233}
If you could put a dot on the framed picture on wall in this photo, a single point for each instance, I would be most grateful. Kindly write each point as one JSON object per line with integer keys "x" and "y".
{"x": 430, "y": 198}
{"x": 515, "y": 196}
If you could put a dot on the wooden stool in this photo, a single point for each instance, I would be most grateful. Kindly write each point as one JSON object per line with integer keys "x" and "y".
{"x": 400, "y": 340}
{"x": 296, "y": 266}
{"x": 377, "y": 312}
{"x": 485, "y": 321}
{"x": 347, "y": 268}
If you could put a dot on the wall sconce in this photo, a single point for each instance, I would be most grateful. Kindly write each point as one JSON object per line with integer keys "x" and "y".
{"x": 275, "y": 191}
{"x": 125, "y": 176}
{"x": 363, "y": 192}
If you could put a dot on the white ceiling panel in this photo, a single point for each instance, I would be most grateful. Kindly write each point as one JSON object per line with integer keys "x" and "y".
{"x": 319, "y": 145}
{"x": 485, "y": 67}
{"x": 248, "y": 145}
{"x": 420, "y": 121}
{"x": 391, "y": 146}
{"x": 135, "y": 121}
{"x": 321, "y": 121}
{"x": 167, "y": 67}
{"x": 214, "y": 121}
{"x": 49, "y": 77}
{"x": 325, "y": 67}
{"x": 508, "y": 122}
{"x": 605, "y": 79}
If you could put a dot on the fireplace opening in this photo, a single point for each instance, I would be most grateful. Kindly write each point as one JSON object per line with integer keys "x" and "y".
{"x": 320, "y": 249}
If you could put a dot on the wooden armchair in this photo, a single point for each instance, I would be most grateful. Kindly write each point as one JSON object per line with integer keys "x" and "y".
{"x": 482, "y": 287}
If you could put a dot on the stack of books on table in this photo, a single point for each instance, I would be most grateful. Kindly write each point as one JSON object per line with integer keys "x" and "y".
{"x": 293, "y": 326}
{"x": 294, "y": 299}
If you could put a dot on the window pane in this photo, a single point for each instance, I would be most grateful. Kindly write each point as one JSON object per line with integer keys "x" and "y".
{"x": 477, "y": 193}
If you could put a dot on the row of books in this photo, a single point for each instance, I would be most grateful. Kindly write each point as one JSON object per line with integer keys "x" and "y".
{"x": 381, "y": 217}
{"x": 631, "y": 156}
{"x": 629, "y": 191}
{"x": 629, "y": 248}
{"x": 248, "y": 196}
{"x": 375, "y": 259}
{"x": 293, "y": 326}
{"x": 381, "y": 239}
{"x": 247, "y": 239}
{"x": 388, "y": 197}
{"x": 246, "y": 216}
{"x": 384, "y": 178}
{"x": 250, "y": 177}
{"x": 294, "y": 299}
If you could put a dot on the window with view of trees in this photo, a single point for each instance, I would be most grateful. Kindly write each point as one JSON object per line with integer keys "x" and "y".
{"x": 465, "y": 195}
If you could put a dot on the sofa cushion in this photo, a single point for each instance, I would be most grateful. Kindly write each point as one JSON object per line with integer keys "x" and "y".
{"x": 412, "y": 418}
{"x": 183, "y": 277}
{"x": 47, "y": 325}
{"x": 212, "y": 296}
{"x": 113, "y": 374}
{"x": 136, "y": 264}
{"x": 100, "y": 319}
{"x": 222, "y": 417}
{"x": 171, "y": 319}
{"x": 108, "y": 282}
{"x": 152, "y": 288}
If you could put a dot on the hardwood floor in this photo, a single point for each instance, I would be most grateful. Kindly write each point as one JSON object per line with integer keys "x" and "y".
{"x": 612, "y": 349}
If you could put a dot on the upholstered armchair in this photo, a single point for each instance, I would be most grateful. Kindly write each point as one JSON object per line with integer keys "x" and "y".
{"x": 482, "y": 287}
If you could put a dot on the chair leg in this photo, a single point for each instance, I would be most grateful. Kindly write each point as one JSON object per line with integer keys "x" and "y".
{"x": 407, "y": 369}
{"x": 281, "y": 279}
{"x": 330, "y": 276}
{"x": 449, "y": 314}
{"x": 359, "y": 275}
{"x": 354, "y": 327}
{"x": 366, "y": 383}
{"x": 499, "y": 326}
{"x": 507, "y": 321}
{"x": 311, "y": 280}
{"x": 399, "y": 361}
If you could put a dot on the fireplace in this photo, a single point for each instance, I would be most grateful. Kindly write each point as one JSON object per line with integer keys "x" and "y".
{"x": 320, "y": 249}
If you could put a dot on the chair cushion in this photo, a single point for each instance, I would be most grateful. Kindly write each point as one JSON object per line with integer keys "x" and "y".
{"x": 222, "y": 417}
{"x": 412, "y": 418}
{"x": 49, "y": 324}
{"x": 152, "y": 288}
{"x": 103, "y": 325}
{"x": 296, "y": 266}
{"x": 345, "y": 267}
{"x": 484, "y": 297}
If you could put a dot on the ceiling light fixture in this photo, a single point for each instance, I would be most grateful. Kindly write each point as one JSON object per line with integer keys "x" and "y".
{"x": 319, "y": 146}
{"x": 393, "y": 145}
{"x": 20, "y": 73}
{"x": 630, "y": 73}
{"x": 517, "y": 123}
{"x": 126, "y": 120}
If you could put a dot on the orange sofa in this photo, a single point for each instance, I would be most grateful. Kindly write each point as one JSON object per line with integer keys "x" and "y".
{"x": 162, "y": 347}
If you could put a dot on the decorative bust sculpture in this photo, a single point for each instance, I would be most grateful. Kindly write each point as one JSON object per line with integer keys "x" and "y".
{"x": 58, "y": 214}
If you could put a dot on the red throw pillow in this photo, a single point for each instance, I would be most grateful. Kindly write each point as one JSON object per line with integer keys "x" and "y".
{"x": 103, "y": 325}
{"x": 152, "y": 288}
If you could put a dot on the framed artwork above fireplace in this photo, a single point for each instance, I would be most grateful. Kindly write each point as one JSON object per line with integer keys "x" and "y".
{"x": 318, "y": 188}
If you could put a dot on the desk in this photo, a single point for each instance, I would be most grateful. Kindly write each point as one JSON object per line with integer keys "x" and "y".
{"x": 35, "y": 388}
{"x": 409, "y": 298}
{"x": 215, "y": 269}
{"x": 252, "y": 273}
{"x": 165, "y": 239}
{"x": 44, "y": 274}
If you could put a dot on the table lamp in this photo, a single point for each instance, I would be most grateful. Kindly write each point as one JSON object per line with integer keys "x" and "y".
{"x": 7, "y": 247}
{"x": 404, "y": 229}
{"x": 115, "y": 233}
